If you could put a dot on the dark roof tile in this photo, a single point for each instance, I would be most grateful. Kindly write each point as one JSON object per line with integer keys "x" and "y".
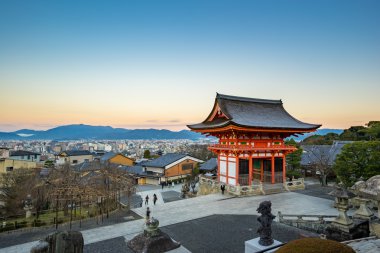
{"x": 253, "y": 112}
{"x": 209, "y": 165}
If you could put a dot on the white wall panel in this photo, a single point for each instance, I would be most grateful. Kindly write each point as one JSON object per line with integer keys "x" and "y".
{"x": 232, "y": 169}
{"x": 231, "y": 181}
{"x": 223, "y": 168}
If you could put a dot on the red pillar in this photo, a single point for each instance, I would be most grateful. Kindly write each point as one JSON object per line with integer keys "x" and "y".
{"x": 261, "y": 170}
{"x": 272, "y": 168}
{"x": 227, "y": 154}
{"x": 218, "y": 167}
{"x": 283, "y": 167}
{"x": 237, "y": 169}
{"x": 250, "y": 170}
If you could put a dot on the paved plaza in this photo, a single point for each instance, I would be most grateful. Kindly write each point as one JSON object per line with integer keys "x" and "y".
{"x": 188, "y": 210}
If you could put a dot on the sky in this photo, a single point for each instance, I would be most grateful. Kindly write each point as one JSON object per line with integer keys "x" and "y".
{"x": 159, "y": 64}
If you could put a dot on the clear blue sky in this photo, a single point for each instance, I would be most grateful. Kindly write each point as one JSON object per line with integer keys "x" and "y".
{"x": 140, "y": 64}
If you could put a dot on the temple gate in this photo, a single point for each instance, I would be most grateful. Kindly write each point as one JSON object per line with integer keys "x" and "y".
{"x": 251, "y": 135}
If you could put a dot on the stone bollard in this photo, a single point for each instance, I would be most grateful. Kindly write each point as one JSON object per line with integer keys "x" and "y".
{"x": 41, "y": 247}
{"x": 60, "y": 242}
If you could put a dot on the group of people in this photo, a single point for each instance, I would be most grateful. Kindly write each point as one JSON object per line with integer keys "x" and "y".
{"x": 154, "y": 199}
{"x": 168, "y": 184}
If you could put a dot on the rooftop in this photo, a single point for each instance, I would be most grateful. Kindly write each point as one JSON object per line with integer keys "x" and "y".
{"x": 76, "y": 152}
{"x": 209, "y": 165}
{"x": 164, "y": 160}
{"x": 22, "y": 153}
{"x": 251, "y": 113}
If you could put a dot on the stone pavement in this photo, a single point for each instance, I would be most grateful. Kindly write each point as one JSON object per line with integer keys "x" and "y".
{"x": 199, "y": 207}
{"x": 366, "y": 245}
{"x": 144, "y": 191}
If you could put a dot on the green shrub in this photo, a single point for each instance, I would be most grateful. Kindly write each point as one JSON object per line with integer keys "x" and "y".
{"x": 21, "y": 224}
{"x": 314, "y": 245}
{"x": 38, "y": 223}
{"x": 293, "y": 173}
{"x": 8, "y": 226}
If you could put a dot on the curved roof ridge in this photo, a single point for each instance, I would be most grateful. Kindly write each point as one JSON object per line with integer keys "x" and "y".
{"x": 247, "y": 99}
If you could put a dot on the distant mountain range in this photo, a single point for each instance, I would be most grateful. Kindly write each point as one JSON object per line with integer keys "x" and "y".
{"x": 80, "y": 132}
{"x": 322, "y": 131}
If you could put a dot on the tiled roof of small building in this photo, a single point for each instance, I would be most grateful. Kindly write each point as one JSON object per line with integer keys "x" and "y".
{"x": 107, "y": 156}
{"x": 22, "y": 153}
{"x": 209, "y": 165}
{"x": 325, "y": 154}
{"x": 254, "y": 113}
{"x": 76, "y": 152}
{"x": 164, "y": 160}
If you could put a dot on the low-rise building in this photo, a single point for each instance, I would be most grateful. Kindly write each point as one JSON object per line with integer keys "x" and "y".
{"x": 210, "y": 167}
{"x": 8, "y": 165}
{"x": 116, "y": 158}
{"x": 25, "y": 156}
{"x": 74, "y": 157}
{"x": 4, "y": 152}
{"x": 168, "y": 167}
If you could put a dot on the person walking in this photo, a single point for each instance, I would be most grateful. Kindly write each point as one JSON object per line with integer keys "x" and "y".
{"x": 162, "y": 185}
{"x": 146, "y": 200}
{"x": 222, "y": 187}
{"x": 154, "y": 199}
{"x": 147, "y": 217}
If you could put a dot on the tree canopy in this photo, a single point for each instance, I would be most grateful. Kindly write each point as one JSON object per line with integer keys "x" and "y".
{"x": 147, "y": 154}
{"x": 358, "y": 159}
{"x": 369, "y": 132}
{"x": 293, "y": 160}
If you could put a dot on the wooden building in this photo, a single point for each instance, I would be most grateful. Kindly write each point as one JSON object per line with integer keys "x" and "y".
{"x": 116, "y": 158}
{"x": 74, "y": 157}
{"x": 168, "y": 168}
{"x": 251, "y": 135}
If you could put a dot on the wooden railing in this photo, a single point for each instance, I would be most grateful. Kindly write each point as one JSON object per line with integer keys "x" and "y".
{"x": 248, "y": 147}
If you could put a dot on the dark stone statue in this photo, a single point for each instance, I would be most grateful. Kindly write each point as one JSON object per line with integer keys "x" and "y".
{"x": 60, "y": 242}
{"x": 266, "y": 218}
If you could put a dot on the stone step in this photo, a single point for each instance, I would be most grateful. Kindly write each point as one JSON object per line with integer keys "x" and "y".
{"x": 273, "y": 190}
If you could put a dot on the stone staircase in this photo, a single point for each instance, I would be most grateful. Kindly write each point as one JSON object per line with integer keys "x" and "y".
{"x": 273, "y": 188}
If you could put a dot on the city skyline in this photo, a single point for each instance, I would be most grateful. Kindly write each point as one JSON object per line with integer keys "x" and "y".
{"x": 150, "y": 64}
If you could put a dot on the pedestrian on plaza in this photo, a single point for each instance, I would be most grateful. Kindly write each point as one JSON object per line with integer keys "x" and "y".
{"x": 146, "y": 200}
{"x": 154, "y": 199}
{"x": 147, "y": 217}
{"x": 162, "y": 185}
{"x": 223, "y": 187}
{"x": 173, "y": 184}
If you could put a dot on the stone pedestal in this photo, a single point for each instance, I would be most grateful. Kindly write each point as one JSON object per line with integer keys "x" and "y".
{"x": 253, "y": 246}
{"x": 339, "y": 232}
{"x": 363, "y": 212}
{"x": 28, "y": 213}
{"x": 153, "y": 240}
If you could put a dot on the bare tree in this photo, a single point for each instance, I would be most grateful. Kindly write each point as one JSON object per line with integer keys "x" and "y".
{"x": 321, "y": 158}
{"x": 15, "y": 186}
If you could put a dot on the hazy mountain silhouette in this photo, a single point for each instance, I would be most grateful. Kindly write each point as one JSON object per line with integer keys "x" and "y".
{"x": 80, "y": 131}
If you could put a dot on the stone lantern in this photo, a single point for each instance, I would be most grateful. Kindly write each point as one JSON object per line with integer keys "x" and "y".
{"x": 28, "y": 206}
{"x": 341, "y": 203}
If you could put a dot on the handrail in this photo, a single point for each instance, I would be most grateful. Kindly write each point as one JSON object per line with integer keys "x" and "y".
{"x": 247, "y": 147}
